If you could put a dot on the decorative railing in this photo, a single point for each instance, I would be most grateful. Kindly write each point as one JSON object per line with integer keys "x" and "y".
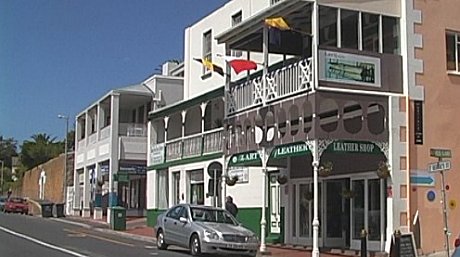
{"x": 132, "y": 129}
{"x": 195, "y": 145}
{"x": 280, "y": 83}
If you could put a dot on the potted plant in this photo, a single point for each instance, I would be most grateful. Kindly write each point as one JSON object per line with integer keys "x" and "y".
{"x": 231, "y": 181}
{"x": 282, "y": 179}
{"x": 383, "y": 171}
{"x": 325, "y": 169}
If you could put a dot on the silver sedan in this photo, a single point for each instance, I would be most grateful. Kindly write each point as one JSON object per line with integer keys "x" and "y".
{"x": 204, "y": 229}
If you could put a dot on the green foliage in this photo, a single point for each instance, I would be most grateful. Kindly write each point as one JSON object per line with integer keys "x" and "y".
{"x": 40, "y": 150}
{"x": 8, "y": 149}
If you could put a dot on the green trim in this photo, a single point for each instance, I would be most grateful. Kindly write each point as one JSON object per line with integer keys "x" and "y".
{"x": 183, "y": 105}
{"x": 185, "y": 161}
{"x": 152, "y": 216}
{"x": 250, "y": 218}
{"x": 349, "y": 146}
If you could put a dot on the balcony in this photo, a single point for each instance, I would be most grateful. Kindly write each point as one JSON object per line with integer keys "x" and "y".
{"x": 286, "y": 81}
{"x": 198, "y": 145}
{"x": 132, "y": 129}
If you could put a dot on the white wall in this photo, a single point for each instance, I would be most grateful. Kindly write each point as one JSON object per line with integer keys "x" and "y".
{"x": 219, "y": 21}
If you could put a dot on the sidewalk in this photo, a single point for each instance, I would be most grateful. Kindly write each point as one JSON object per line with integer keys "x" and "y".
{"x": 137, "y": 229}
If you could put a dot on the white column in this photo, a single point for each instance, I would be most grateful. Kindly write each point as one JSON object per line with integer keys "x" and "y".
{"x": 315, "y": 251}
{"x": 113, "y": 162}
{"x": 76, "y": 193}
{"x": 263, "y": 221}
{"x": 86, "y": 192}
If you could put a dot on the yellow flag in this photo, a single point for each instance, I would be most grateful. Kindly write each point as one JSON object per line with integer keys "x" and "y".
{"x": 277, "y": 22}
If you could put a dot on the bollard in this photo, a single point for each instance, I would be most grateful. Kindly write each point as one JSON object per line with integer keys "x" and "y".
{"x": 363, "y": 243}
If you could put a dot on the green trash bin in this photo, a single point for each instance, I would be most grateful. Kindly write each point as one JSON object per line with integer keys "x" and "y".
{"x": 118, "y": 218}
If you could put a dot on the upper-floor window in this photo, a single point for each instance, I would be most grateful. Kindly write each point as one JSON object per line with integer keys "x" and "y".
{"x": 207, "y": 48}
{"x": 236, "y": 19}
{"x": 358, "y": 30}
{"x": 272, "y": 2}
{"x": 453, "y": 51}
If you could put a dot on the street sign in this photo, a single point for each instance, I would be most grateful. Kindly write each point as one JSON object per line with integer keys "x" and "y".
{"x": 440, "y": 153}
{"x": 422, "y": 180}
{"x": 438, "y": 166}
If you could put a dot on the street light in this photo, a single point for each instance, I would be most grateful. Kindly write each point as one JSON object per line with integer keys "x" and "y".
{"x": 66, "y": 118}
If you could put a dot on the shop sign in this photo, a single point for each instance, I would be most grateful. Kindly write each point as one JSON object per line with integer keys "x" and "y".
{"x": 349, "y": 68}
{"x": 242, "y": 173}
{"x": 245, "y": 158}
{"x": 290, "y": 150}
{"x": 353, "y": 147}
{"x": 440, "y": 153}
{"x": 104, "y": 169}
{"x": 157, "y": 154}
{"x": 133, "y": 169}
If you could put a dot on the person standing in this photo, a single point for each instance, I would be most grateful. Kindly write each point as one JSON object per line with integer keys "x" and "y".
{"x": 230, "y": 206}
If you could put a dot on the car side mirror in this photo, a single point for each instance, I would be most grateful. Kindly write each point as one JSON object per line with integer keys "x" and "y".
{"x": 183, "y": 219}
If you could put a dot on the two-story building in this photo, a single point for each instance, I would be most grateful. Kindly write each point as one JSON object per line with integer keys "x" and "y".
{"x": 111, "y": 144}
{"x": 321, "y": 142}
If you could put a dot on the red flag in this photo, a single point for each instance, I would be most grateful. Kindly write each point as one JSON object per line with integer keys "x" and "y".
{"x": 240, "y": 65}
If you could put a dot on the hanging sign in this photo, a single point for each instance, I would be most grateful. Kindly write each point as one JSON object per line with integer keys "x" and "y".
{"x": 247, "y": 158}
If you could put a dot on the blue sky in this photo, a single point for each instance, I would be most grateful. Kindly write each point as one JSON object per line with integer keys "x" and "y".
{"x": 59, "y": 56}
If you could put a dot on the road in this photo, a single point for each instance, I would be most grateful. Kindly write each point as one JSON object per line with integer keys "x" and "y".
{"x": 24, "y": 236}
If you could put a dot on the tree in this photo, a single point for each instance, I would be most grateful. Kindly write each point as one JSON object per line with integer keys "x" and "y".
{"x": 40, "y": 150}
{"x": 8, "y": 149}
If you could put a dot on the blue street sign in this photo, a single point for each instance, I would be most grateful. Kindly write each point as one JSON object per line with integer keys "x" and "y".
{"x": 422, "y": 180}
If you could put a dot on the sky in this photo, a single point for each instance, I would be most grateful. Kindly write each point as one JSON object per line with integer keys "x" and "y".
{"x": 59, "y": 56}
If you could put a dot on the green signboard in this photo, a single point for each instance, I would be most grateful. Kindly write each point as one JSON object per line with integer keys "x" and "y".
{"x": 245, "y": 159}
{"x": 295, "y": 149}
{"x": 440, "y": 153}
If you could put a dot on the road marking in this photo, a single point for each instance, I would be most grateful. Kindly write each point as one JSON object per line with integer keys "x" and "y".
{"x": 42, "y": 243}
{"x": 82, "y": 234}
{"x": 153, "y": 253}
{"x": 149, "y": 247}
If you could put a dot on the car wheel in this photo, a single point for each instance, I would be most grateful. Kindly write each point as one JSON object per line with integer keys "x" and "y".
{"x": 161, "y": 240}
{"x": 195, "y": 245}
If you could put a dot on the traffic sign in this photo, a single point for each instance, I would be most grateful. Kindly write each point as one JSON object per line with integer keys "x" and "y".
{"x": 440, "y": 153}
{"x": 422, "y": 180}
{"x": 438, "y": 166}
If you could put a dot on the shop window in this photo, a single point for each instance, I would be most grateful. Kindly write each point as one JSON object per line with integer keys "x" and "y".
{"x": 352, "y": 117}
{"x": 390, "y": 35}
{"x": 196, "y": 187}
{"x": 374, "y": 207}
{"x": 176, "y": 187}
{"x": 453, "y": 51}
{"x": 327, "y": 26}
{"x": 370, "y": 32}
{"x": 358, "y": 208}
{"x": 349, "y": 31}
{"x": 162, "y": 189}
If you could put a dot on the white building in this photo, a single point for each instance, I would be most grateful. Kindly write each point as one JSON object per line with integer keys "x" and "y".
{"x": 111, "y": 144}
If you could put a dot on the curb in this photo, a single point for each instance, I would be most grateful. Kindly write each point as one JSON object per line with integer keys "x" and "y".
{"x": 109, "y": 231}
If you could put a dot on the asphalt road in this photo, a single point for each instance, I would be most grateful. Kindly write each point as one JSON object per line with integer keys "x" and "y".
{"x": 24, "y": 236}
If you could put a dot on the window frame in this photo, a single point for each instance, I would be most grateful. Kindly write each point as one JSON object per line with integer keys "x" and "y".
{"x": 237, "y": 18}
{"x": 207, "y": 49}
{"x": 456, "y": 51}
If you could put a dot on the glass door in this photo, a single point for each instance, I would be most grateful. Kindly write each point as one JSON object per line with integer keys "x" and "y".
{"x": 275, "y": 217}
{"x": 335, "y": 224}
{"x": 368, "y": 212}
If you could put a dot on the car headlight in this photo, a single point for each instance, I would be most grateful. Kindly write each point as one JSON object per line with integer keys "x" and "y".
{"x": 211, "y": 235}
{"x": 253, "y": 239}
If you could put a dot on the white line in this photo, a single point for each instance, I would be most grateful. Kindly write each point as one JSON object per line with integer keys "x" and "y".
{"x": 42, "y": 243}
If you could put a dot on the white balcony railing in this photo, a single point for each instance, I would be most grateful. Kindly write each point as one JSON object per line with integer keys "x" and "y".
{"x": 81, "y": 143}
{"x": 132, "y": 129}
{"x": 92, "y": 138}
{"x": 105, "y": 133}
{"x": 280, "y": 83}
{"x": 193, "y": 146}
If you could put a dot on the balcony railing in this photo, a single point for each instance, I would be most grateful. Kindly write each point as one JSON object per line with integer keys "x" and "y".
{"x": 195, "y": 145}
{"x": 132, "y": 129}
{"x": 105, "y": 133}
{"x": 280, "y": 83}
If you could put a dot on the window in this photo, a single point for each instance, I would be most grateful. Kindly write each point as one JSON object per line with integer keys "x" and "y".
{"x": 207, "y": 48}
{"x": 453, "y": 51}
{"x": 349, "y": 31}
{"x": 390, "y": 31}
{"x": 196, "y": 187}
{"x": 162, "y": 189}
{"x": 236, "y": 19}
{"x": 176, "y": 187}
{"x": 370, "y": 32}
{"x": 327, "y": 26}
{"x": 175, "y": 212}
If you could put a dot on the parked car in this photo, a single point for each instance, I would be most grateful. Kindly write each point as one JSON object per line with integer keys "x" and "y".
{"x": 204, "y": 230}
{"x": 457, "y": 247}
{"x": 16, "y": 205}
{"x": 2, "y": 202}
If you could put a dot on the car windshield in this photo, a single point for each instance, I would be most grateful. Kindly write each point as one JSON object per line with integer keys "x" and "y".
{"x": 212, "y": 215}
{"x": 17, "y": 200}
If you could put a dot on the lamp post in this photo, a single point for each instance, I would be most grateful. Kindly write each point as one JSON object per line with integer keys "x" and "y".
{"x": 66, "y": 118}
{"x": 1, "y": 183}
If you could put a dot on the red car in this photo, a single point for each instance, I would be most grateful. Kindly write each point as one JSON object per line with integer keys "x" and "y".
{"x": 16, "y": 204}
